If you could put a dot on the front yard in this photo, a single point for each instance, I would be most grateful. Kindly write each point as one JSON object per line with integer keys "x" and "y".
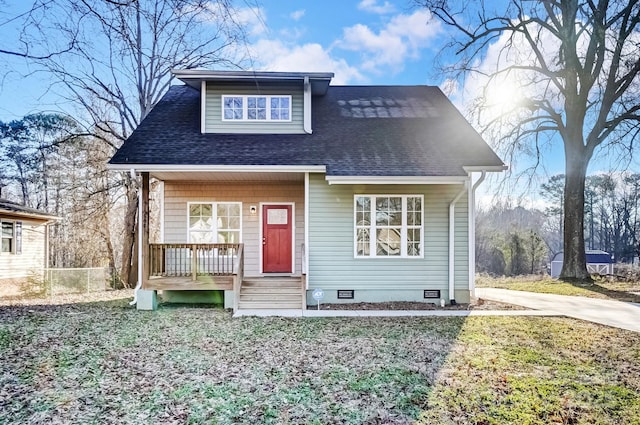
{"x": 599, "y": 288}
{"x": 106, "y": 363}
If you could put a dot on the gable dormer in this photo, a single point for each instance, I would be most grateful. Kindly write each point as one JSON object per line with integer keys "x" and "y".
{"x": 256, "y": 102}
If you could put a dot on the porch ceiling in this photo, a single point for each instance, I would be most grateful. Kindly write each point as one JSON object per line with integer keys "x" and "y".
{"x": 225, "y": 176}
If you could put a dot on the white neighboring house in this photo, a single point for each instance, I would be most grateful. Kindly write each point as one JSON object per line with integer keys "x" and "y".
{"x": 24, "y": 243}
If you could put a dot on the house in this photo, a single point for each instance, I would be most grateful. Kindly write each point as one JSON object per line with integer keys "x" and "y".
{"x": 598, "y": 262}
{"x": 23, "y": 252}
{"x": 278, "y": 183}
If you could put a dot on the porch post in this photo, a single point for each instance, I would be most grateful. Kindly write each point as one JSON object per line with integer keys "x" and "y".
{"x": 144, "y": 227}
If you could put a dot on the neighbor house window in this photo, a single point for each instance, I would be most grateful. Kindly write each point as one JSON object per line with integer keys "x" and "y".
{"x": 217, "y": 222}
{"x": 11, "y": 237}
{"x": 256, "y": 108}
{"x": 388, "y": 225}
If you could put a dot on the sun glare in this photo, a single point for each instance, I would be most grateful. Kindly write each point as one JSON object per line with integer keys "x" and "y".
{"x": 502, "y": 95}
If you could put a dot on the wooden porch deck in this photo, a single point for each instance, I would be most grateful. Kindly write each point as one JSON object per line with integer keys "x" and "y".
{"x": 194, "y": 267}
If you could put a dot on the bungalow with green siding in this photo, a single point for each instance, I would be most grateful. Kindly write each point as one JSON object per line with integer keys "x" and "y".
{"x": 274, "y": 184}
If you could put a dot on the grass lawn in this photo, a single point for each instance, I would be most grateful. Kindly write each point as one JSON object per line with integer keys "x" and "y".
{"x": 601, "y": 288}
{"x": 106, "y": 363}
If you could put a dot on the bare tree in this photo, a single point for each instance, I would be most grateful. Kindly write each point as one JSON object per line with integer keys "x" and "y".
{"x": 119, "y": 65}
{"x": 577, "y": 64}
{"x": 553, "y": 192}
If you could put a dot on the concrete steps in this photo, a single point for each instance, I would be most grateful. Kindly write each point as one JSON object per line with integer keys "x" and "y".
{"x": 270, "y": 293}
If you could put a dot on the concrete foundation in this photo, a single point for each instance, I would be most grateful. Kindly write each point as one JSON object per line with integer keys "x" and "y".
{"x": 382, "y": 295}
{"x": 147, "y": 300}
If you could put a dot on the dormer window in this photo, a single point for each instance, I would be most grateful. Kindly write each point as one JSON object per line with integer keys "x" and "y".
{"x": 256, "y": 108}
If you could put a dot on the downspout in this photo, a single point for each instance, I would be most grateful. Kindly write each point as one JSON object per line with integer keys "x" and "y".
{"x": 452, "y": 228}
{"x": 472, "y": 234}
{"x": 203, "y": 107}
{"x": 140, "y": 259}
{"x": 307, "y": 106}
{"x": 305, "y": 269}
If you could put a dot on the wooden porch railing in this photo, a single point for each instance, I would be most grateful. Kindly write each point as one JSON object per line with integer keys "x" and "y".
{"x": 193, "y": 260}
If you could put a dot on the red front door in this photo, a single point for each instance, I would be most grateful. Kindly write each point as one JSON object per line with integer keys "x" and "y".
{"x": 276, "y": 238}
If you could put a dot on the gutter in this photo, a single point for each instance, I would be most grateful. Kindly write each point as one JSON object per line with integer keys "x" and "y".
{"x": 452, "y": 227}
{"x": 140, "y": 259}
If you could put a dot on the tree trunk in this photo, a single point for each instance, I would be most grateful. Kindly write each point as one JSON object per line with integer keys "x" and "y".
{"x": 574, "y": 266}
{"x": 128, "y": 239}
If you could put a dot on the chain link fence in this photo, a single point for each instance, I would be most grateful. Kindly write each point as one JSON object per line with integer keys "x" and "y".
{"x": 62, "y": 281}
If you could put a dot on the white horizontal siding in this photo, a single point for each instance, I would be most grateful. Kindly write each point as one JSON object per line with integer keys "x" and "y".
{"x": 213, "y": 111}
{"x": 31, "y": 260}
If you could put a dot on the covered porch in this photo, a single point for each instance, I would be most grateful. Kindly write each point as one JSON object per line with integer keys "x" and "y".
{"x": 179, "y": 260}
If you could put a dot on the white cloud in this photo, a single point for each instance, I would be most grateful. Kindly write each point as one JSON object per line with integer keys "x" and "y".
{"x": 381, "y": 51}
{"x": 400, "y": 39}
{"x": 296, "y": 15}
{"x": 373, "y": 7}
{"x": 251, "y": 18}
{"x": 274, "y": 55}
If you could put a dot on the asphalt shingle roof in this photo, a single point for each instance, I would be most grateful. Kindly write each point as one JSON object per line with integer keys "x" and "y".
{"x": 10, "y": 207}
{"x": 357, "y": 131}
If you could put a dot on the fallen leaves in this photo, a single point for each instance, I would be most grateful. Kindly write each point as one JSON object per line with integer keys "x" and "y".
{"x": 103, "y": 362}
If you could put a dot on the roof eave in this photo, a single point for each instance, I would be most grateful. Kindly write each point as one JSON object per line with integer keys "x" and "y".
{"x": 24, "y": 215}
{"x": 396, "y": 179}
{"x": 193, "y": 77}
{"x": 218, "y": 168}
{"x": 487, "y": 168}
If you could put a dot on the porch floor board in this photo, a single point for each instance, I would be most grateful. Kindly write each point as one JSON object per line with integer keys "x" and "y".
{"x": 183, "y": 283}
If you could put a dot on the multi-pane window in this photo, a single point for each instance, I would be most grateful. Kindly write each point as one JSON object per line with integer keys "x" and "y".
{"x": 233, "y": 107}
{"x": 256, "y": 108}
{"x": 388, "y": 225}
{"x": 219, "y": 222}
{"x": 280, "y": 108}
{"x": 8, "y": 238}
{"x": 228, "y": 223}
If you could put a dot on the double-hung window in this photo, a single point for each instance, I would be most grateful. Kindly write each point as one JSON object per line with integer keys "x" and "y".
{"x": 256, "y": 108}
{"x": 10, "y": 237}
{"x": 388, "y": 226}
{"x": 215, "y": 222}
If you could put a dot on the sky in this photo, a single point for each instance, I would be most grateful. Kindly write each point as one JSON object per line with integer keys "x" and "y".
{"x": 364, "y": 42}
{"x": 361, "y": 41}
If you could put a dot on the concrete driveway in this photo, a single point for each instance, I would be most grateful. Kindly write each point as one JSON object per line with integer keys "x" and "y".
{"x": 611, "y": 313}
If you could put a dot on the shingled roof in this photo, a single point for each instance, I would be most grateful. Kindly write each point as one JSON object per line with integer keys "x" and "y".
{"x": 357, "y": 131}
{"x": 13, "y": 209}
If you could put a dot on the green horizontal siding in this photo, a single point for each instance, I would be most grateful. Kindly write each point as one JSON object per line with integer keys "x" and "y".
{"x": 331, "y": 242}
{"x": 213, "y": 115}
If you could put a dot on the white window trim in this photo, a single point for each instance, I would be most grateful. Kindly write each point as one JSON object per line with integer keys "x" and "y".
{"x": 13, "y": 237}
{"x": 16, "y": 237}
{"x": 373, "y": 227}
{"x": 214, "y": 210}
{"x": 245, "y": 104}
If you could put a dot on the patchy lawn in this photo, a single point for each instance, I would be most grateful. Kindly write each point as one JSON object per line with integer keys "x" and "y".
{"x": 103, "y": 362}
{"x": 601, "y": 288}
